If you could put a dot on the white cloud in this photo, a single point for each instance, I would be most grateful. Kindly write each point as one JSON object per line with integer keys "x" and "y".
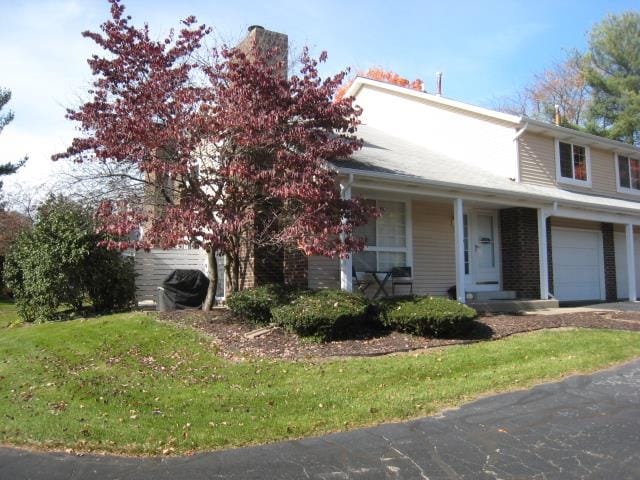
{"x": 39, "y": 169}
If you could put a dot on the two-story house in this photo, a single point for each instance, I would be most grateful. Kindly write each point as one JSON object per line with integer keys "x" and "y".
{"x": 487, "y": 202}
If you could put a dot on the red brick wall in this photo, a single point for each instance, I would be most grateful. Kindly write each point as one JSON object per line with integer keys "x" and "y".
{"x": 549, "y": 256}
{"x": 608, "y": 248}
{"x": 296, "y": 268}
{"x": 520, "y": 259}
{"x": 265, "y": 264}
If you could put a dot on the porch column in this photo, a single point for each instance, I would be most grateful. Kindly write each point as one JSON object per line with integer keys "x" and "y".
{"x": 346, "y": 264}
{"x": 631, "y": 262}
{"x": 458, "y": 231}
{"x": 542, "y": 254}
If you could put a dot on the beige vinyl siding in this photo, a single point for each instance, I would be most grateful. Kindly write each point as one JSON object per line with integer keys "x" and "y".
{"x": 433, "y": 248}
{"x": 603, "y": 173}
{"x": 324, "y": 272}
{"x": 537, "y": 160}
{"x": 604, "y": 176}
{"x": 433, "y": 253}
{"x": 538, "y": 167}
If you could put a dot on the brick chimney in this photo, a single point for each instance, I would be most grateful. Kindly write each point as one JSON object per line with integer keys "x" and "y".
{"x": 274, "y": 44}
{"x": 267, "y": 264}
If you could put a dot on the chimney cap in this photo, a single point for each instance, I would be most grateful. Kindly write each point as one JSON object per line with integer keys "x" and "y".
{"x": 255, "y": 27}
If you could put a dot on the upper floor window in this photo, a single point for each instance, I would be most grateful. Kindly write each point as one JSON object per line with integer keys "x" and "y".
{"x": 573, "y": 164}
{"x": 628, "y": 174}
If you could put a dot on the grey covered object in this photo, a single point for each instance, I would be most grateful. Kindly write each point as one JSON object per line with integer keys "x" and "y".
{"x": 183, "y": 289}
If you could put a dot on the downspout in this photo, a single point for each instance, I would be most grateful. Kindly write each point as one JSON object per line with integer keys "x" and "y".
{"x": 346, "y": 186}
{"x": 517, "y": 144}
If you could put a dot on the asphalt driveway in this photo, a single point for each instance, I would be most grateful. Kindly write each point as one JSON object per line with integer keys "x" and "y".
{"x": 586, "y": 426}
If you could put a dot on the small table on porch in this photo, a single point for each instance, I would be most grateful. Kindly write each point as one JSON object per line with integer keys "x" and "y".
{"x": 381, "y": 278}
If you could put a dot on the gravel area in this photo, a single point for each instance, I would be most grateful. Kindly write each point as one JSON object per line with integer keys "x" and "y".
{"x": 229, "y": 334}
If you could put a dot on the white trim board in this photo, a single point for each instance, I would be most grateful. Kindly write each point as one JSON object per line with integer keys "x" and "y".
{"x": 580, "y": 214}
{"x": 410, "y": 184}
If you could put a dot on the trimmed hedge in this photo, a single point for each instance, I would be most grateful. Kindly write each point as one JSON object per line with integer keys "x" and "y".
{"x": 255, "y": 304}
{"x": 323, "y": 315}
{"x": 438, "y": 317}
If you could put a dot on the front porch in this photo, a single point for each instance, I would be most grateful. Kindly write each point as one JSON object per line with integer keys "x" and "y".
{"x": 490, "y": 252}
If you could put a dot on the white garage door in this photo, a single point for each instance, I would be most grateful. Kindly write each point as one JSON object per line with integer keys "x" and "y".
{"x": 622, "y": 280}
{"x": 577, "y": 264}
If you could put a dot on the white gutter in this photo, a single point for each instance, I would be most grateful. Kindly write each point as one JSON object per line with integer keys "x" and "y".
{"x": 395, "y": 177}
{"x": 347, "y": 185}
{"x": 517, "y": 145}
{"x": 589, "y": 137}
{"x": 521, "y": 131}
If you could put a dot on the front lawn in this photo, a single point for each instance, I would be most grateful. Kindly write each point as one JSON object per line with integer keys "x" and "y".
{"x": 130, "y": 384}
{"x": 8, "y": 315}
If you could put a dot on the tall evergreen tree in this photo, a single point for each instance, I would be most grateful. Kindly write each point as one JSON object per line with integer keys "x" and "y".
{"x": 612, "y": 71}
{"x": 6, "y": 118}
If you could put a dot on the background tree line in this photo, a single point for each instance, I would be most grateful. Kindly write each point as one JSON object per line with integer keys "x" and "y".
{"x": 597, "y": 90}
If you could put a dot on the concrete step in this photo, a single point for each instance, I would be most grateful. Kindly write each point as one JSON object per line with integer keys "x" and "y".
{"x": 494, "y": 295}
{"x": 512, "y": 306}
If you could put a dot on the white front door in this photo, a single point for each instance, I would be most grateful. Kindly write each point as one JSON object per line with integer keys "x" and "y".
{"x": 483, "y": 254}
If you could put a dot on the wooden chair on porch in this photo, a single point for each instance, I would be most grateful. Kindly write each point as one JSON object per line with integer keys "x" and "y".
{"x": 361, "y": 284}
{"x": 401, "y": 276}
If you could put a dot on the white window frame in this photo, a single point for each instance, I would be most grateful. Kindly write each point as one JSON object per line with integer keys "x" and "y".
{"x": 573, "y": 181}
{"x": 619, "y": 187}
{"x": 408, "y": 248}
{"x": 222, "y": 277}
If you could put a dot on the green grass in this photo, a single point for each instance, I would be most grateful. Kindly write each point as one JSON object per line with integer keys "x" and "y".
{"x": 8, "y": 315}
{"x": 130, "y": 384}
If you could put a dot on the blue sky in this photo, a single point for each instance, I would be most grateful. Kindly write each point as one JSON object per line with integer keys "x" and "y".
{"x": 485, "y": 49}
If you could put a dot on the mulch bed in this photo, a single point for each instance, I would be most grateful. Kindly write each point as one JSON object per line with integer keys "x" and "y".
{"x": 229, "y": 333}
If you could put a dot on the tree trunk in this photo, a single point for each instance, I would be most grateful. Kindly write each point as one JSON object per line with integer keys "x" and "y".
{"x": 212, "y": 267}
{"x": 235, "y": 273}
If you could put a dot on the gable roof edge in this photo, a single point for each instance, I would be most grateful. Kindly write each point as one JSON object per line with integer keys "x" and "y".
{"x": 560, "y": 132}
{"x": 517, "y": 121}
{"x": 360, "y": 82}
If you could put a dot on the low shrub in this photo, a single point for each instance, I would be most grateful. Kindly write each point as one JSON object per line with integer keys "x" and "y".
{"x": 439, "y": 317}
{"x": 324, "y": 314}
{"x": 255, "y": 304}
{"x": 111, "y": 284}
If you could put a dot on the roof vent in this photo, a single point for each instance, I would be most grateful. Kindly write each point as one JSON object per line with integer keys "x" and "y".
{"x": 255, "y": 27}
{"x": 439, "y": 83}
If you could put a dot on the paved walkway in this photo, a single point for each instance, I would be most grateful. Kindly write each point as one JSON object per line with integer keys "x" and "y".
{"x": 596, "y": 307}
{"x": 582, "y": 427}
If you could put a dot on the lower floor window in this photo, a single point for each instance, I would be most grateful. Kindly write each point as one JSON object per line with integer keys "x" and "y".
{"x": 386, "y": 239}
{"x": 369, "y": 261}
